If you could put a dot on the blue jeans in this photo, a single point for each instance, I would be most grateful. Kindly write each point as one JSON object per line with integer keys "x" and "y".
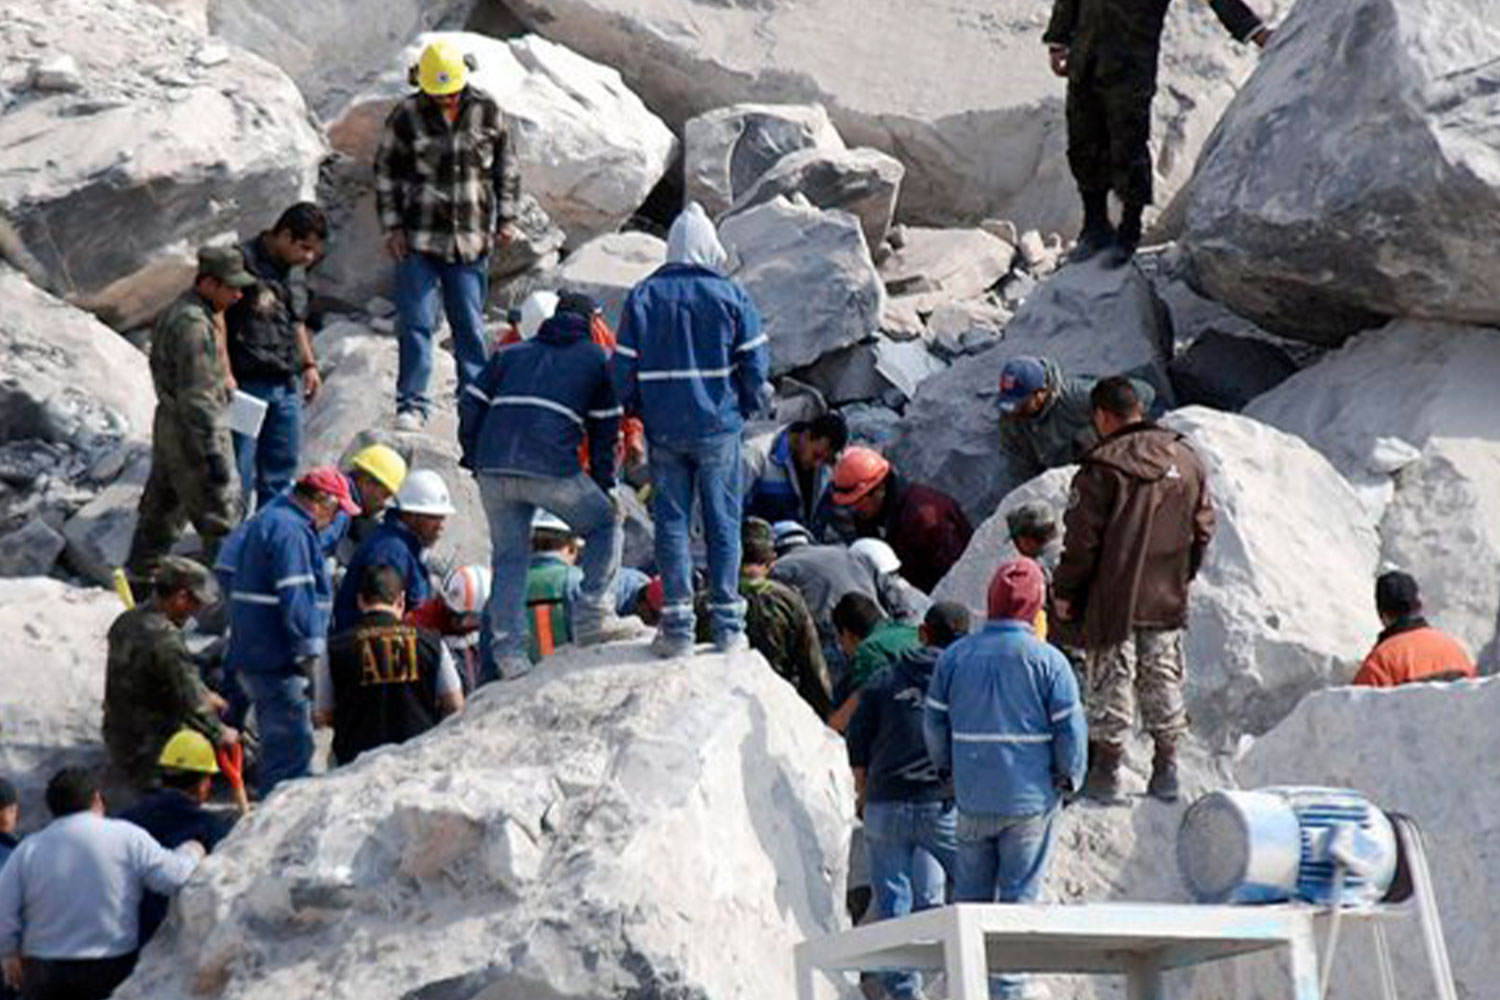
{"x": 510, "y": 503}
{"x": 710, "y": 472}
{"x": 420, "y": 281}
{"x": 911, "y": 848}
{"x": 1003, "y": 859}
{"x": 268, "y": 462}
{"x": 284, "y": 716}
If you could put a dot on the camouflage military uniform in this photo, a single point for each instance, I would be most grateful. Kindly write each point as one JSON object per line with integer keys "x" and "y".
{"x": 1147, "y": 667}
{"x": 1112, "y": 55}
{"x": 151, "y": 690}
{"x": 779, "y": 626}
{"x": 192, "y": 459}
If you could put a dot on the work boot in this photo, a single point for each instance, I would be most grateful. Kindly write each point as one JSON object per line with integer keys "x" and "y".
{"x": 1103, "y": 781}
{"x": 1127, "y": 237}
{"x": 1097, "y": 234}
{"x": 596, "y": 631}
{"x": 669, "y": 647}
{"x": 1163, "y": 783}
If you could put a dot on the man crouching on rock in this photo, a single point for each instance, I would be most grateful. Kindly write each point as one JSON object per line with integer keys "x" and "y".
{"x": 1138, "y": 524}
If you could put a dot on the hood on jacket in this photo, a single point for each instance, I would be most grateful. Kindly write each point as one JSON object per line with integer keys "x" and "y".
{"x": 564, "y": 328}
{"x": 694, "y": 240}
{"x": 916, "y": 665}
{"x": 1142, "y": 451}
{"x": 1017, "y": 591}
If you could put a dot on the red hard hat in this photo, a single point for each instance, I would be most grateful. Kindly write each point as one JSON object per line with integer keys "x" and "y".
{"x": 859, "y": 470}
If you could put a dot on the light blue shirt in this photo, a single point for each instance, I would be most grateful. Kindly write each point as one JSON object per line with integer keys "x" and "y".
{"x": 74, "y": 890}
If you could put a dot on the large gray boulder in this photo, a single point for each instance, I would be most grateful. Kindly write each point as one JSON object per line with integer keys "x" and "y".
{"x": 1357, "y": 176}
{"x": 1281, "y": 606}
{"x": 52, "y": 701}
{"x": 932, "y": 267}
{"x": 332, "y": 50}
{"x": 1417, "y": 750}
{"x": 810, "y": 276}
{"x": 726, "y": 150}
{"x": 164, "y": 140}
{"x": 960, "y": 94}
{"x": 608, "y": 267}
{"x": 864, "y": 182}
{"x": 1089, "y": 319}
{"x": 589, "y": 151}
{"x": 612, "y": 825}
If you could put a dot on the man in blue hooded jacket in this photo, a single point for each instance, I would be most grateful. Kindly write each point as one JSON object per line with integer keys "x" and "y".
{"x": 1004, "y": 717}
{"x": 521, "y": 423}
{"x": 692, "y": 362}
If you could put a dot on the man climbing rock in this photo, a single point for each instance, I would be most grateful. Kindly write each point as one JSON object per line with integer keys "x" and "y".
{"x": 192, "y": 460}
{"x": 152, "y": 688}
{"x": 446, "y": 186}
{"x": 1107, "y": 50}
{"x": 1138, "y": 524}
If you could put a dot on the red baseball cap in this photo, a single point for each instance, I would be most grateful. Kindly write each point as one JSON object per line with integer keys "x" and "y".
{"x": 327, "y": 479}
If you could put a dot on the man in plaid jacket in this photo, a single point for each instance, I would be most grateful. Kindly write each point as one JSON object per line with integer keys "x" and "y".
{"x": 446, "y": 185}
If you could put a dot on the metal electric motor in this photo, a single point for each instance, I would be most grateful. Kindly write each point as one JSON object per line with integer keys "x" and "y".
{"x": 1325, "y": 846}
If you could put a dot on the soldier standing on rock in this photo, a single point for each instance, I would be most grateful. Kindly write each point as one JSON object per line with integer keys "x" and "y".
{"x": 1107, "y": 50}
{"x": 192, "y": 460}
{"x": 1138, "y": 524}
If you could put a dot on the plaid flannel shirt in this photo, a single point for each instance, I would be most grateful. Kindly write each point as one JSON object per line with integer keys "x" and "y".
{"x": 447, "y": 186}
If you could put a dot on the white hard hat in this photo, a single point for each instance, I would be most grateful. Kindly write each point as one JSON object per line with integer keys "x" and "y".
{"x": 536, "y": 310}
{"x": 466, "y": 590}
{"x": 548, "y": 521}
{"x": 877, "y": 555}
{"x": 424, "y": 492}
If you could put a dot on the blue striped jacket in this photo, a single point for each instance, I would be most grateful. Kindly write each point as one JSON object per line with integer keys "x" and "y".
{"x": 282, "y": 598}
{"x": 530, "y": 408}
{"x": 691, "y": 359}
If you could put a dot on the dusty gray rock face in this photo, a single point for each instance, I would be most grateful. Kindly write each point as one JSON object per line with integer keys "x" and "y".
{"x": 1282, "y": 604}
{"x": 1308, "y": 220}
{"x": 112, "y": 186}
{"x": 1411, "y": 750}
{"x": 76, "y": 403}
{"x": 810, "y": 276}
{"x": 917, "y": 82}
{"x": 1091, "y": 320}
{"x": 53, "y": 696}
{"x": 30, "y": 550}
{"x": 863, "y": 182}
{"x": 332, "y": 51}
{"x": 521, "y": 849}
{"x": 934, "y": 266}
{"x": 98, "y": 535}
{"x": 881, "y": 370}
{"x": 1226, "y": 372}
{"x": 725, "y": 151}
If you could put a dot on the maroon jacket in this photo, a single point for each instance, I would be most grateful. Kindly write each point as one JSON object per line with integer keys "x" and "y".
{"x": 1139, "y": 520}
{"x": 927, "y": 530}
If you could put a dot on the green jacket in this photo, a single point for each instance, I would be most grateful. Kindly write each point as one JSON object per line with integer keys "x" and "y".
{"x": 780, "y": 627}
{"x": 1063, "y": 432}
{"x": 152, "y": 689}
{"x": 881, "y": 648}
{"x": 192, "y": 402}
{"x": 548, "y": 611}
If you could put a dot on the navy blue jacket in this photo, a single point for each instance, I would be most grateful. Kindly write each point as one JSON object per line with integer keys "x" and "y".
{"x": 885, "y": 735}
{"x": 393, "y": 544}
{"x": 773, "y": 487}
{"x": 530, "y": 408}
{"x": 282, "y": 597}
{"x": 173, "y": 818}
{"x": 691, "y": 358}
{"x": 1003, "y": 715}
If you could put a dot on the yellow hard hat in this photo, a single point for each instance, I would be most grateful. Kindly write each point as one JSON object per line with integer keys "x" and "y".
{"x": 442, "y": 69}
{"x": 383, "y": 464}
{"x": 189, "y": 750}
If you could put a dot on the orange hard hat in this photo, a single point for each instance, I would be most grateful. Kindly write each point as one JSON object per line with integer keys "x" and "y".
{"x": 859, "y": 470}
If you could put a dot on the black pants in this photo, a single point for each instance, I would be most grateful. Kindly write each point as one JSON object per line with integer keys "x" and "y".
{"x": 74, "y": 979}
{"x": 1109, "y": 124}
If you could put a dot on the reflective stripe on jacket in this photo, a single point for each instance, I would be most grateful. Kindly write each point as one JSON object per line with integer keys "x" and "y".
{"x": 282, "y": 598}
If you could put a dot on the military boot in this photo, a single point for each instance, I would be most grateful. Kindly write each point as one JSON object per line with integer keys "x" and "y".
{"x": 1127, "y": 237}
{"x": 1163, "y": 783}
{"x": 1097, "y": 234}
{"x": 1103, "y": 781}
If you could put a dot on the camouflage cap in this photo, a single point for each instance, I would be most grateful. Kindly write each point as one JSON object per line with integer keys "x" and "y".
{"x": 176, "y": 573}
{"x": 1032, "y": 519}
{"x": 225, "y": 263}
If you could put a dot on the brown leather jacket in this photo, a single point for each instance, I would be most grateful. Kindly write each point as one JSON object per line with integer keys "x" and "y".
{"x": 1139, "y": 520}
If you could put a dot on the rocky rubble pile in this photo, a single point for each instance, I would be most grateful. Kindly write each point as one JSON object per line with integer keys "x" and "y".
{"x": 587, "y": 831}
